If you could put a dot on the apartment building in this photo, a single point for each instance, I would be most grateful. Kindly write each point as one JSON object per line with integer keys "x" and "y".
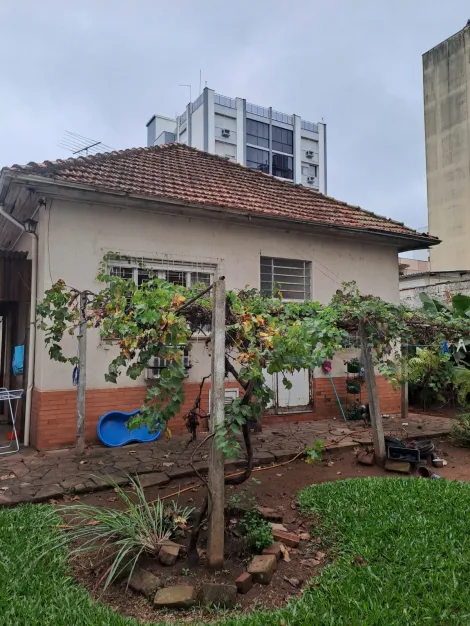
{"x": 259, "y": 137}
{"x": 446, "y": 82}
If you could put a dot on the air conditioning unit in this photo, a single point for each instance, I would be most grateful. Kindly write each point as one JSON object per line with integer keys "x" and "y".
{"x": 225, "y": 132}
{"x": 157, "y": 364}
{"x": 309, "y": 154}
{"x": 310, "y": 180}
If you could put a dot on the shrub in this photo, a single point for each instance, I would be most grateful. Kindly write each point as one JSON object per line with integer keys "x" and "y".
{"x": 313, "y": 454}
{"x": 140, "y": 528}
{"x": 461, "y": 381}
{"x": 430, "y": 375}
{"x": 258, "y": 532}
{"x": 461, "y": 430}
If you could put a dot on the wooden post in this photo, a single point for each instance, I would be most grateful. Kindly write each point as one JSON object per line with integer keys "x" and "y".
{"x": 216, "y": 478}
{"x": 81, "y": 389}
{"x": 404, "y": 385}
{"x": 374, "y": 408}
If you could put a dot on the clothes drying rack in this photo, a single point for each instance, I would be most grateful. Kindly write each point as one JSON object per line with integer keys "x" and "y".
{"x": 9, "y": 396}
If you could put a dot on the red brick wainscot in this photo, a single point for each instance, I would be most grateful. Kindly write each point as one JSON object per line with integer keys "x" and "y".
{"x": 53, "y": 418}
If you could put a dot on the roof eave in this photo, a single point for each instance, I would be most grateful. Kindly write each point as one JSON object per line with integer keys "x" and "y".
{"x": 405, "y": 242}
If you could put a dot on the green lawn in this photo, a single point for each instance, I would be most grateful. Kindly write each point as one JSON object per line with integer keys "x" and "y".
{"x": 413, "y": 535}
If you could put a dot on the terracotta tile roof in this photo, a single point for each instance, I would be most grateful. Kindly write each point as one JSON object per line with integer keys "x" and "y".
{"x": 180, "y": 173}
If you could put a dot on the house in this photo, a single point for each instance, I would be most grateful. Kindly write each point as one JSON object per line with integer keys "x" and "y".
{"x": 191, "y": 216}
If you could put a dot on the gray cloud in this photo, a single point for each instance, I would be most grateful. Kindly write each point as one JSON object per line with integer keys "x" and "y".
{"x": 102, "y": 69}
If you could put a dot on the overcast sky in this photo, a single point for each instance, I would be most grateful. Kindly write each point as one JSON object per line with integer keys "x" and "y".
{"x": 102, "y": 68}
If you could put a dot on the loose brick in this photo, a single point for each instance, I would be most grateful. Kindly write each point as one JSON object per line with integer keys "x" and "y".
{"x": 288, "y": 539}
{"x": 275, "y": 549}
{"x": 168, "y": 553}
{"x": 144, "y": 582}
{"x": 262, "y": 568}
{"x": 218, "y": 594}
{"x": 244, "y": 583}
{"x": 179, "y": 597}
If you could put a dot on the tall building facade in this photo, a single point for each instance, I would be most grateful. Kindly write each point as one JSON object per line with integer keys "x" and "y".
{"x": 446, "y": 82}
{"x": 262, "y": 138}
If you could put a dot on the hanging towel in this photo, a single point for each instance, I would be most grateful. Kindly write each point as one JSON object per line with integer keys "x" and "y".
{"x": 18, "y": 360}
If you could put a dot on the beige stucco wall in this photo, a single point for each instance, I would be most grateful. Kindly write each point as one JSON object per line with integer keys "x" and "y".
{"x": 75, "y": 237}
{"x": 446, "y": 79}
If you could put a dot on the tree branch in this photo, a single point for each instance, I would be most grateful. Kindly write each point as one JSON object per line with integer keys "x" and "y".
{"x": 194, "y": 298}
{"x": 231, "y": 370}
{"x": 238, "y": 480}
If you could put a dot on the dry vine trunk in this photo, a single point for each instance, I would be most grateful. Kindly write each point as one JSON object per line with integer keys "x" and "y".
{"x": 193, "y": 556}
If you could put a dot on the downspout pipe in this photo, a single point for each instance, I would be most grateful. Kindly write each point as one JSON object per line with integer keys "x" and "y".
{"x": 32, "y": 319}
{"x": 32, "y": 337}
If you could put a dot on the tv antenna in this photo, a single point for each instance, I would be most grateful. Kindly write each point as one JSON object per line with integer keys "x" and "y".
{"x": 188, "y": 87}
{"x": 82, "y": 146}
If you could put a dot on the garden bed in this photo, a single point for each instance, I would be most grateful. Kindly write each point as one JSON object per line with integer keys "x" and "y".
{"x": 289, "y": 541}
{"x": 90, "y": 571}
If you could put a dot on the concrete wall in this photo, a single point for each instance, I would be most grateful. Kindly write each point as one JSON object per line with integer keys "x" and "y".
{"x": 197, "y": 122}
{"x": 439, "y": 289}
{"x": 81, "y": 234}
{"x": 446, "y": 77}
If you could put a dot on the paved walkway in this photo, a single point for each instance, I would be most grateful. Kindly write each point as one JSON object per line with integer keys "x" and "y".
{"x": 29, "y": 476}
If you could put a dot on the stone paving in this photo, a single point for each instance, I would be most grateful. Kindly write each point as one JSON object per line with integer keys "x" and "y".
{"x": 31, "y": 476}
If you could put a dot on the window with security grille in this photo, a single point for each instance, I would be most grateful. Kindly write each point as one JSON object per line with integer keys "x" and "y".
{"x": 186, "y": 274}
{"x": 353, "y": 340}
{"x": 289, "y": 278}
{"x": 122, "y": 272}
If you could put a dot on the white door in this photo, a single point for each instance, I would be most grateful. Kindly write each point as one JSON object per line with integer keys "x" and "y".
{"x": 271, "y": 383}
{"x": 296, "y": 398}
{"x": 290, "y": 400}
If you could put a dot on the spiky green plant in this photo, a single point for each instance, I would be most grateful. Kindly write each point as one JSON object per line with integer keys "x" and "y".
{"x": 140, "y": 528}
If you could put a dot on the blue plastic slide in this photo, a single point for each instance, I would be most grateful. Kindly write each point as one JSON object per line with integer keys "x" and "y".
{"x": 113, "y": 432}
